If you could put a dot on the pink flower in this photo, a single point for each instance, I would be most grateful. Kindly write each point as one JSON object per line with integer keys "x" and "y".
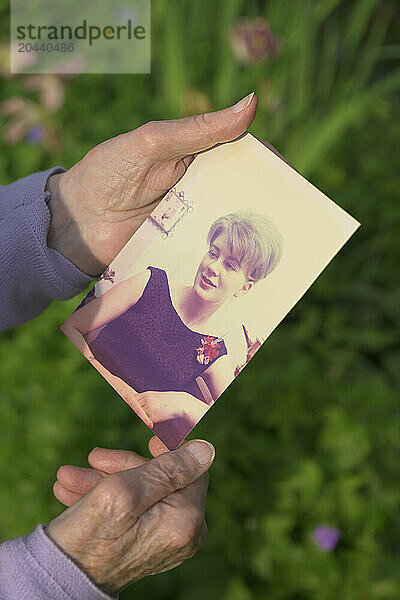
{"x": 253, "y": 41}
{"x": 209, "y": 350}
{"x": 33, "y": 120}
{"x": 22, "y": 114}
{"x": 28, "y": 120}
{"x": 50, "y": 89}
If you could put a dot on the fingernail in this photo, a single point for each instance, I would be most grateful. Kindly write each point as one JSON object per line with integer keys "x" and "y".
{"x": 202, "y": 451}
{"x": 243, "y": 103}
{"x": 95, "y": 448}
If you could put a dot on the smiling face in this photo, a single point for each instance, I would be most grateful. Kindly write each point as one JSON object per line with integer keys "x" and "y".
{"x": 219, "y": 276}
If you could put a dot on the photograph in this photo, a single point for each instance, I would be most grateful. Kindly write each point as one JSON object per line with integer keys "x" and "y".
{"x": 196, "y": 291}
{"x": 199, "y": 292}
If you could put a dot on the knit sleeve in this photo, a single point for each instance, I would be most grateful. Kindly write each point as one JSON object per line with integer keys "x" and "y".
{"x": 33, "y": 567}
{"x": 31, "y": 274}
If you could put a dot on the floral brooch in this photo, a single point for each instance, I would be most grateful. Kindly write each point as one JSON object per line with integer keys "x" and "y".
{"x": 209, "y": 350}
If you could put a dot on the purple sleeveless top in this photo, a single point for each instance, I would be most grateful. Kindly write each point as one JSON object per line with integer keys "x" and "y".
{"x": 150, "y": 347}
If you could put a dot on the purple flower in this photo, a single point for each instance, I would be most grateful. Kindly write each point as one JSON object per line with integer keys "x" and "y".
{"x": 253, "y": 40}
{"x": 326, "y": 537}
{"x": 35, "y": 134}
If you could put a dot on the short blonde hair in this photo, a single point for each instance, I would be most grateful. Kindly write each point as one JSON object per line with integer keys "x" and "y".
{"x": 253, "y": 241}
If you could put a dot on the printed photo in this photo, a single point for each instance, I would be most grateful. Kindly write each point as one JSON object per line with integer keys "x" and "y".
{"x": 196, "y": 291}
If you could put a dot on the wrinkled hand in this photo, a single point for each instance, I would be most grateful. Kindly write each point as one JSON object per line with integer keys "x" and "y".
{"x": 145, "y": 519}
{"x": 101, "y": 201}
{"x": 75, "y": 482}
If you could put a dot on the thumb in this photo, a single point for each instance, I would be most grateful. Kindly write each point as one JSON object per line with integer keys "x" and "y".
{"x": 175, "y": 139}
{"x": 169, "y": 472}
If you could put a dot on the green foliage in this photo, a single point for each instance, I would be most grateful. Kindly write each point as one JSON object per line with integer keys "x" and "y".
{"x": 312, "y": 431}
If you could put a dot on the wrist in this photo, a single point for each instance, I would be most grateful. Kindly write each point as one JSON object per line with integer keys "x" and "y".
{"x": 98, "y": 575}
{"x": 65, "y": 232}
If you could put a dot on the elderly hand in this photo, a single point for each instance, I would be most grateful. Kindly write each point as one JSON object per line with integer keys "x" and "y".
{"x": 75, "y": 482}
{"x": 145, "y": 519}
{"x": 101, "y": 201}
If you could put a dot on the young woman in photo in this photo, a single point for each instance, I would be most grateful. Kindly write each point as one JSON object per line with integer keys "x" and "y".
{"x": 151, "y": 338}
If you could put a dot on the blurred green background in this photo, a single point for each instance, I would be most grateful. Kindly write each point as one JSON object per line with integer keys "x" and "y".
{"x": 311, "y": 436}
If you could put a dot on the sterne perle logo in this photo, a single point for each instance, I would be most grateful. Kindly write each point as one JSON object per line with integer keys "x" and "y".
{"x": 84, "y": 31}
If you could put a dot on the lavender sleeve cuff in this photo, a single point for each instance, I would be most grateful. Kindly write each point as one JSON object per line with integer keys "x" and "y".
{"x": 31, "y": 274}
{"x": 33, "y": 567}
